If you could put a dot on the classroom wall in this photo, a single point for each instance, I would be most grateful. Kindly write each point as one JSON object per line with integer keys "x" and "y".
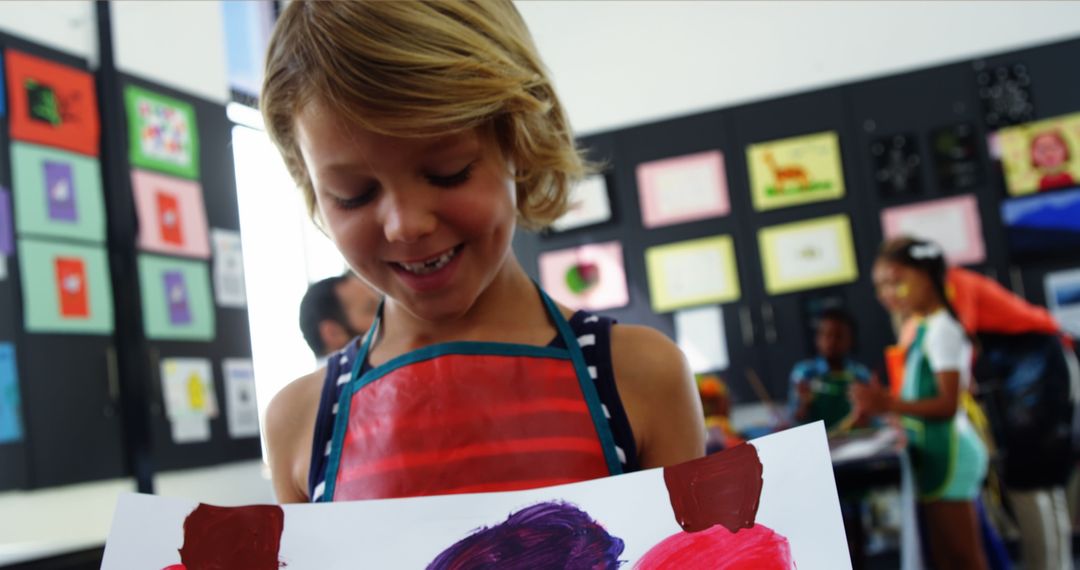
{"x": 618, "y": 64}
{"x": 179, "y": 45}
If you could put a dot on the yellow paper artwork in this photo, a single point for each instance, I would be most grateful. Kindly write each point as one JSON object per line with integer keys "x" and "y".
{"x": 797, "y": 170}
{"x": 1041, "y": 156}
{"x": 808, "y": 254}
{"x": 690, "y": 273}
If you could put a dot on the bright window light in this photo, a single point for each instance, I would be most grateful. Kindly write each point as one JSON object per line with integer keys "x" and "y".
{"x": 283, "y": 253}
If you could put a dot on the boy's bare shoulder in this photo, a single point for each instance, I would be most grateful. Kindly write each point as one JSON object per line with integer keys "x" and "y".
{"x": 643, "y": 355}
{"x": 290, "y": 421}
{"x": 290, "y": 415}
{"x": 658, "y": 392}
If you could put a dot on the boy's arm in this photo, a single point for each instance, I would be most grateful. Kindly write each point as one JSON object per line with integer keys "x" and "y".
{"x": 290, "y": 424}
{"x": 658, "y": 392}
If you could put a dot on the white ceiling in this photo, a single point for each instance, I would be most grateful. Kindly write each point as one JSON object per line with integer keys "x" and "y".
{"x": 618, "y": 63}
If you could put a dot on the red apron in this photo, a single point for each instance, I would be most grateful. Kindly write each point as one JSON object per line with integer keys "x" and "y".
{"x": 467, "y": 417}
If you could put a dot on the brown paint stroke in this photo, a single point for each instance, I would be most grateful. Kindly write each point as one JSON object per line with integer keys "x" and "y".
{"x": 232, "y": 537}
{"x": 723, "y": 488}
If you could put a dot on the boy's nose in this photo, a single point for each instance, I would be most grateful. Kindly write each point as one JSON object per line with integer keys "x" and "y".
{"x": 407, "y": 221}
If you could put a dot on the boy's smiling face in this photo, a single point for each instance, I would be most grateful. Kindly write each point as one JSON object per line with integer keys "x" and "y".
{"x": 427, "y": 221}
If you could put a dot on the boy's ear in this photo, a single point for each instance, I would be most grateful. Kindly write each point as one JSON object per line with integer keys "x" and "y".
{"x": 332, "y": 334}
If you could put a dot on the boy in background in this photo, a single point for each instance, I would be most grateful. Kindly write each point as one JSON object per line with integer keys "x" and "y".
{"x": 821, "y": 384}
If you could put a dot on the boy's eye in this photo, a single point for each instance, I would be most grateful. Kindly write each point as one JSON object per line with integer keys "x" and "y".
{"x": 355, "y": 201}
{"x": 452, "y": 180}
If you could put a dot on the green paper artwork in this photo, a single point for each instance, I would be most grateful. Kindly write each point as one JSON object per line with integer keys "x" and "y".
{"x": 57, "y": 194}
{"x": 176, "y": 299}
{"x": 162, "y": 134}
{"x": 66, "y": 288}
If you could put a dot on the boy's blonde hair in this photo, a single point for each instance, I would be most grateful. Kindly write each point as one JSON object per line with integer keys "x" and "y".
{"x": 422, "y": 69}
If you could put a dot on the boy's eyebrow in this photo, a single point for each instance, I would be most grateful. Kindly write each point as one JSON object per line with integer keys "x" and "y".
{"x": 448, "y": 142}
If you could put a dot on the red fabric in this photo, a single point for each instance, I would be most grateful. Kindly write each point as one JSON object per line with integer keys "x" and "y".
{"x": 984, "y": 306}
{"x": 463, "y": 424}
{"x": 76, "y": 127}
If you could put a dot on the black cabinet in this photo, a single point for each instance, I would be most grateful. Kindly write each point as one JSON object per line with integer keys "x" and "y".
{"x": 892, "y": 132}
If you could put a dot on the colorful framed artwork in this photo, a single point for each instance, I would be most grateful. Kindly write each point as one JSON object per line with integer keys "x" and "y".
{"x": 956, "y": 157}
{"x": 794, "y": 171}
{"x": 589, "y": 205}
{"x": 897, "y": 165}
{"x": 176, "y": 299}
{"x": 1040, "y": 156}
{"x": 187, "y": 388}
{"x": 1063, "y": 299}
{"x": 587, "y": 277}
{"x": 1043, "y": 225}
{"x": 11, "y": 424}
{"x": 683, "y": 189}
{"x": 162, "y": 133}
{"x": 691, "y": 273}
{"x": 767, "y": 504}
{"x": 51, "y": 104}
{"x": 953, "y": 223}
{"x": 172, "y": 216}
{"x": 808, "y": 254}
{"x": 57, "y": 194}
{"x": 66, "y": 288}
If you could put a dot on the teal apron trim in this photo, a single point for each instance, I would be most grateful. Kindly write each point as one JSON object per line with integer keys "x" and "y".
{"x": 341, "y": 421}
{"x": 463, "y": 347}
{"x": 571, "y": 352}
{"x": 588, "y": 388}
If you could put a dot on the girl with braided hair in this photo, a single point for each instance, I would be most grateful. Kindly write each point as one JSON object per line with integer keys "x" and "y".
{"x": 950, "y": 460}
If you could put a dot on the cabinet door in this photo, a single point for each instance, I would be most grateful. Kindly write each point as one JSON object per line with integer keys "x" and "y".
{"x": 13, "y": 459}
{"x": 73, "y": 422}
{"x": 786, "y": 335}
{"x": 671, "y": 139}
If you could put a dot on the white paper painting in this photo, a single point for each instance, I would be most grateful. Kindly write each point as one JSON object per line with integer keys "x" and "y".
{"x": 241, "y": 410}
{"x": 702, "y": 338}
{"x": 229, "y": 288}
{"x": 771, "y": 504}
{"x": 589, "y": 205}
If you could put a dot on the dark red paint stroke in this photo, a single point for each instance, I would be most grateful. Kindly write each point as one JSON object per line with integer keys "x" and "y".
{"x": 232, "y": 537}
{"x": 755, "y": 548}
{"x": 545, "y": 535}
{"x": 721, "y": 489}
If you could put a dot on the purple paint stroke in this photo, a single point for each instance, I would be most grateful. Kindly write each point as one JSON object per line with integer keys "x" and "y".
{"x": 60, "y": 192}
{"x": 545, "y": 535}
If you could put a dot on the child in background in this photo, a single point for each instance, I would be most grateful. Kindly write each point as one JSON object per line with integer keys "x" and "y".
{"x": 421, "y": 134}
{"x": 1023, "y": 351}
{"x": 949, "y": 458}
{"x": 822, "y": 384}
{"x": 716, "y": 403}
